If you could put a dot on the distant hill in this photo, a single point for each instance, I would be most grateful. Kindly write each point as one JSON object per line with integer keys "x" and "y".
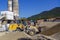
{"x": 55, "y": 12}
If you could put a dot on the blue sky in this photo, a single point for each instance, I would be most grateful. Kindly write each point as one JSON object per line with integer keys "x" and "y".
{"x": 28, "y": 8}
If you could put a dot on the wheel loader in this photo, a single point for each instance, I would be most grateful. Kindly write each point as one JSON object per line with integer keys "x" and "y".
{"x": 16, "y": 26}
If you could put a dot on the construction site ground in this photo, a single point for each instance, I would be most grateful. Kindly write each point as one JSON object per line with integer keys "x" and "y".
{"x": 12, "y": 35}
{"x": 53, "y": 33}
{"x": 19, "y": 36}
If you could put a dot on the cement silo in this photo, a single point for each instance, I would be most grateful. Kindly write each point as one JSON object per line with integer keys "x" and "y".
{"x": 10, "y": 5}
{"x": 13, "y": 6}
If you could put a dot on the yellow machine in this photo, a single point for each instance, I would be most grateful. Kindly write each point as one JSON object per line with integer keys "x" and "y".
{"x": 13, "y": 26}
{"x": 21, "y": 26}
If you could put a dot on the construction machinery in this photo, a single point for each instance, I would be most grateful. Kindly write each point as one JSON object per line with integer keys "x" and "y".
{"x": 33, "y": 29}
{"x": 19, "y": 25}
{"x": 9, "y": 18}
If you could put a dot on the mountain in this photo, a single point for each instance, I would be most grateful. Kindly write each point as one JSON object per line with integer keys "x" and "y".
{"x": 55, "y": 12}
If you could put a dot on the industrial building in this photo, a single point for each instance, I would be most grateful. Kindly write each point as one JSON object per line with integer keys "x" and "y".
{"x": 12, "y": 13}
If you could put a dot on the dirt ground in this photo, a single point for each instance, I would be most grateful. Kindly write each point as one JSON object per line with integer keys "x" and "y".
{"x": 19, "y": 36}
{"x": 52, "y": 30}
{"x": 13, "y": 36}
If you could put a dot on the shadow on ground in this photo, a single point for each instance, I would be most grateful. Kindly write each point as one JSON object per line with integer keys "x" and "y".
{"x": 24, "y": 39}
{"x": 31, "y": 39}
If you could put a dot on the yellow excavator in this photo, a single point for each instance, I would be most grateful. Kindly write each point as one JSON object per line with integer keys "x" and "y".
{"x": 16, "y": 26}
{"x": 13, "y": 27}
